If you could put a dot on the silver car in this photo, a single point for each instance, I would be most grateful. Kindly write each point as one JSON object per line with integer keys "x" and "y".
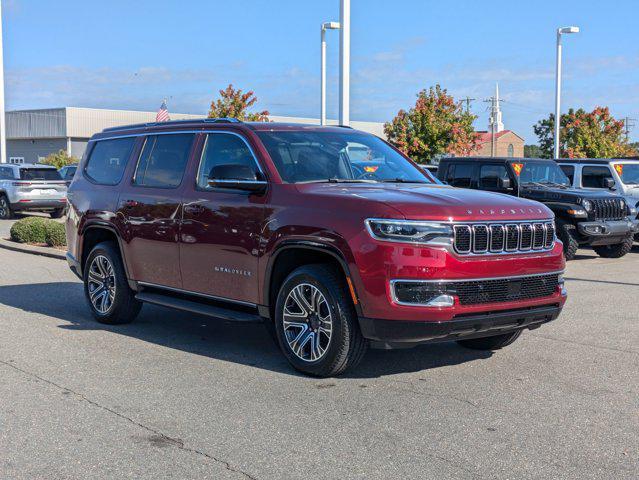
{"x": 28, "y": 187}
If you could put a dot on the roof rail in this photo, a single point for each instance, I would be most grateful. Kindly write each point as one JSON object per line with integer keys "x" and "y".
{"x": 223, "y": 120}
{"x": 173, "y": 122}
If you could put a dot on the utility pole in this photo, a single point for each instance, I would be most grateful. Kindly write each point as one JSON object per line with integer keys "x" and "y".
{"x": 628, "y": 123}
{"x": 3, "y": 131}
{"x": 325, "y": 26}
{"x": 344, "y": 61}
{"x": 467, "y": 100}
{"x": 495, "y": 124}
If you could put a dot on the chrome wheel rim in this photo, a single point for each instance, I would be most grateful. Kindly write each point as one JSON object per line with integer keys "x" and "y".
{"x": 3, "y": 207}
{"x": 307, "y": 322}
{"x": 101, "y": 284}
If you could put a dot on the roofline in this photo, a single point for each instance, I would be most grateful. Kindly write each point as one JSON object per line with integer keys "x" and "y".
{"x": 497, "y": 159}
{"x": 597, "y": 161}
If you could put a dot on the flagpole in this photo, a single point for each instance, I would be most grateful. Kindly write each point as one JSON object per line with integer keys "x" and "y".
{"x": 3, "y": 132}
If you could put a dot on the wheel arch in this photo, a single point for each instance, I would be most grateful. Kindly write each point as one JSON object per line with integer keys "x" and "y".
{"x": 95, "y": 233}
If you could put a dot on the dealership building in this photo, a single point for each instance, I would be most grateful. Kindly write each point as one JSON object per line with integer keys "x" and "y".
{"x": 34, "y": 134}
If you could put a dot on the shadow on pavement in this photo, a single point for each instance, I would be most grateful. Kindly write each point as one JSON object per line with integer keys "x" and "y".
{"x": 244, "y": 343}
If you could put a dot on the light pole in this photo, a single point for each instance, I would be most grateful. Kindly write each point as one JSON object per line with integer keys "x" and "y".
{"x": 3, "y": 132}
{"x": 560, "y": 32}
{"x": 344, "y": 61}
{"x": 325, "y": 26}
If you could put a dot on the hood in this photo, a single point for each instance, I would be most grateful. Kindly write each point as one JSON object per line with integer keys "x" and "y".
{"x": 566, "y": 195}
{"x": 432, "y": 202}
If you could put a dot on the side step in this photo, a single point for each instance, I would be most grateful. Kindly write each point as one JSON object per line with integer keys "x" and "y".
{"x": 198, "y": 307}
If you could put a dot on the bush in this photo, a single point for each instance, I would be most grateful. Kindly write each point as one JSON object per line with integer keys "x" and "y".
{"x": 29, "y": 230}
{"x": 55, "y": 234}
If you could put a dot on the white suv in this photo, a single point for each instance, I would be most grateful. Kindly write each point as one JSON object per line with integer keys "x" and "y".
{"x": 28, "y": 187}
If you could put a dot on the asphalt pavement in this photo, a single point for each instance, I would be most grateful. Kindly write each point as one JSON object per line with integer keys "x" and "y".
{"x": 176, "y": 395}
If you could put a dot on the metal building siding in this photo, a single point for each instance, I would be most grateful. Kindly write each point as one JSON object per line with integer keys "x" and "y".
{"x": 46, "y": 123}
{"x": 33, "y": 150}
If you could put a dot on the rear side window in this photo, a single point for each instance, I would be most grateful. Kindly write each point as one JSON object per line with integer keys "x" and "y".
{"x": 163, "y": 160}
{"x": 6, "y": 173}
{"x": 595, "y": 177}
{"x": 224, "y": 149}
{"x": 460, "y": 175}
{"x": 491, "y": 177}
{"x": 108, "y": 160}
{"x": 569, "y": 170}
{"x": 39, "y": 174}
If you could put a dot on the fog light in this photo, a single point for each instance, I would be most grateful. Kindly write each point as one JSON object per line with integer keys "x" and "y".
{"x": 442, "y": 301}
{"x": 425, "y": 294}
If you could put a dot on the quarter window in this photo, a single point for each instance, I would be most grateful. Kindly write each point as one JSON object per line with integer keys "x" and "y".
{"x": 108, "y": 159}
{"x": 163, "y": 160}
{"x": 595, "y": 177}
{"x": 224, "y": 149}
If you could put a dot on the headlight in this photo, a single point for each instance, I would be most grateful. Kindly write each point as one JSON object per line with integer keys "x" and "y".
{"x": 622, "y": 203}
{"x": 587, "y": 204}
{"x": 407, "y": 231}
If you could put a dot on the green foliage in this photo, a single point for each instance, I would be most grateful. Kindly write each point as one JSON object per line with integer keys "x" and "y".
{"x": 436, "y": 125}
{"x": 532, "y": 151}
{"x": 29, "y": 230}
{"x": 234, "y": 103}
{"x": 55, "y": 234}
{"x": 59, "y": 159}
{"x": 595, "y": 134}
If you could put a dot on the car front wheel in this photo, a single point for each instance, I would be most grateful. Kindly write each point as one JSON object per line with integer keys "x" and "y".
{"x": 614, "y": 251}
{"x": 316, "y": 324}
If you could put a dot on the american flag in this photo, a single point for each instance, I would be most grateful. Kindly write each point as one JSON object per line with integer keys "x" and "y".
{"x": 163, "y": 113}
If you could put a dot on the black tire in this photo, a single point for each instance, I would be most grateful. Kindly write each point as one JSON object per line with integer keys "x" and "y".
{"x": 567, "y": 233}
{"x": 345, "y": 348}
{"x": 123, "y": 307}
{"x": 636, "y": 237}
{"x": 58, "y": 213}
{"x": 5, "y": 208}
{"x": 490, "y": 343}
{"x": 617, "y": 250}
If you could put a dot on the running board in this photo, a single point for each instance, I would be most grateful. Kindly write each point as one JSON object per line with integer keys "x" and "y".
{"x": 198, "y": 307}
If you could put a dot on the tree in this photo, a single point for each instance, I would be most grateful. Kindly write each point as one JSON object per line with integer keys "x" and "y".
{"x": 436, "y": 125}
{"x": 234, "y": 103}
{"x": 595, "y": 134}
{"x": 59, "y": 159}
{"x": 532, "y": 151}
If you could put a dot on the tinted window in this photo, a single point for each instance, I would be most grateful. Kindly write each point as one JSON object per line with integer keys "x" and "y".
{"x": 108, "y": 160}
{"x": 6, "y": 173}
{"x": 595, "y": 177}
{"x": 629, "y": 173}
{"x": 311, "y": 156}
{"x": 460, "y": 175}
{"x": 224, "y": 149}
{"x": 39, "y": 174}
{"x": 540, "y": 172}
{"x": 569, "y": 170}
{"x": 163, "y": 160}
{"x": 491, "y": 177}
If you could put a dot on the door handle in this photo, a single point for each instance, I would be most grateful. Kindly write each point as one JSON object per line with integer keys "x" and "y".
{"x": 194, "y": 208}
{"x": 130, "y": 203}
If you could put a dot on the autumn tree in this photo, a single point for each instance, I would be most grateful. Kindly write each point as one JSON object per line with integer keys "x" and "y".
{"x": 59, "y": 159}
{"x": 233, "y": 103}
{"x": 582, "y": 134}
{"x": 436, "y": 125}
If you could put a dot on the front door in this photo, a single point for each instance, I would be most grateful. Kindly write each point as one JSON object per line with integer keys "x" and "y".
{"x": 151, "y": 209}
{"x": 220, "y": 232}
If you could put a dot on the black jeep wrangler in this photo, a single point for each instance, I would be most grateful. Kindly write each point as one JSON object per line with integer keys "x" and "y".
{"x": 599, "y": 219}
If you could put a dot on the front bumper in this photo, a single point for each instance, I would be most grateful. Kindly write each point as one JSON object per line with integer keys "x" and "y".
{"x": 394, "y": 333}
{"x": 607, "y": 232}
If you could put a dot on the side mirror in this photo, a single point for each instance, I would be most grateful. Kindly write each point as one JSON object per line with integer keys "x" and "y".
{"x": 609, "y": 183}
{"x": 236, "y": 177}
{"x": 506, "y": 184}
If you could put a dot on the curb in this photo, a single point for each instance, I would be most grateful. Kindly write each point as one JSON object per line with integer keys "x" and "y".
{"x": 33, "y": 250}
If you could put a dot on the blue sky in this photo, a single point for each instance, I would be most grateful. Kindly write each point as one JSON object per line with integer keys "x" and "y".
{"x": 131, "y": 54}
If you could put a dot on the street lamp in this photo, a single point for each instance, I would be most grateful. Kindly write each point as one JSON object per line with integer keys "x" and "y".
{"x": 560, "y": 32}
{"x": 344, "y": 62}
{"x": 325, "y": 26}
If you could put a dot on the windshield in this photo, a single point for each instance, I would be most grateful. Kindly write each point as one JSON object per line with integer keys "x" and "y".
{"x": 629, "y": 172}
{"x": 39, "y": 174}
{"x": 546, "y": 173}
{"x": 314, "y": 156}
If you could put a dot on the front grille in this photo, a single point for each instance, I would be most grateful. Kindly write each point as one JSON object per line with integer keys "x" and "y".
{"x": 481, "y": 239}
{"x": 608, "y": 209}
{"x": 504, "y": 289}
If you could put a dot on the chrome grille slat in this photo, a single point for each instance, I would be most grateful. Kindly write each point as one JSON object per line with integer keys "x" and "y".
{"x": 492, "y": 238}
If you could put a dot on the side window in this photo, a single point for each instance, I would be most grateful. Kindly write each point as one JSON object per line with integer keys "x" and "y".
{"x": 163, "y": 160}
{"x": 491, "y": 177}
{"x": 569, "y": 170}
{"x": 461, "y": 175}
{"x": 224, "y": 149}
{"x": 108, "y": 160}
{"x": 595, "y": 177}
{"x": 6, "y": 173}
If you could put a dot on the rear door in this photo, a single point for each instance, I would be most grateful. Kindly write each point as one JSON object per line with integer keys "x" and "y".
{"x": 150, "y": 207}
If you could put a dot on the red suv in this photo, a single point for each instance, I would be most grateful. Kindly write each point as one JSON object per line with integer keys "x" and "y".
{"x": 329, "y": 234}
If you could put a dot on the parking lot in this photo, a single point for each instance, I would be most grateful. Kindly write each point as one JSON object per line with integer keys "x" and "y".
{"x": 175, "y": 395}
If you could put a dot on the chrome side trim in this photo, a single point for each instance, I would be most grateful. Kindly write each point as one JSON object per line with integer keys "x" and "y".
{"x": 197, "y": 294}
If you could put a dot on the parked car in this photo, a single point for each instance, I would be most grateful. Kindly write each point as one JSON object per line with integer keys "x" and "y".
{"x": 67, "y": 172}
{"x": 29, "y": 187}
{"x": 616, "y": 174}
{"x": 254, "y": 221}
{"x": 584, "y": 217}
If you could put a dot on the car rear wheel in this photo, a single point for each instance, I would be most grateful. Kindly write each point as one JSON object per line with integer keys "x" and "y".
{"x": 614, "y": 251}
{"x": 490, "y": 343}
{"x": 5, "y": 208}
{"x": 316, "y": 324}
{"x": 106, "y": 287}
{"x": 58, "y": 213}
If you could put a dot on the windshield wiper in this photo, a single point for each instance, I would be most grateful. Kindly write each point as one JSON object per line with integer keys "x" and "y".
{"x": 401, "y": 180}
{"x": 350, "y": 180}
